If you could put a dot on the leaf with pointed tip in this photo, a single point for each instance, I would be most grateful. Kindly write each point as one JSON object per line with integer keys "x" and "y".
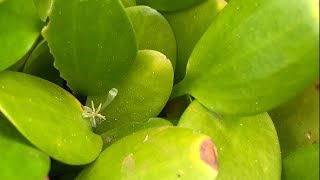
{"x": 143, "y": 93}
{"x": 97, "y": 46}
{"x": 254, "y": 56}
{"x": 153, "y": 31}
{"x": 248, "y": 147}
{"x": 20, "y": 27}
{"x": 18, "y": 154}
{"x": 156, "y": 153}
{"x": 49, "y": 117}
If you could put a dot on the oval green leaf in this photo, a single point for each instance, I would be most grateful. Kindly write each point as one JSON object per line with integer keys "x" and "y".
{"x": 156, "y": 153}
{"x": 19, "y": 159}
{"x": 302, "y": 164}
{"x": 249, "y": 62}
{"x": 97, "y": 46}
{"x": 40, "y": 63}
{"x": 153, "y": 31}
{"x": 188, "y": 26}
{"x": 20, "y": 27}
{"x": 297, "y": 121}
{"x": 169, "y": 5}
{"x": 143, "y": 93}
{"x": 49, "y": 117}
{"x": 248, "y": 147}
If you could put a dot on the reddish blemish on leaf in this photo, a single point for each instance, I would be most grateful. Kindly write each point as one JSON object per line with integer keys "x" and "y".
{"x": 208, "y": 153}
{"x": 318, "y": 86}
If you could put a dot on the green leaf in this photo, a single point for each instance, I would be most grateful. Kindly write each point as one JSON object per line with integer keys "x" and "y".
{"x": 169, "y": 5}
{"x": 297, "y": 121}
{"x": 128, "y": 3}
{"x": 153, "y": 31}
{"x": 49, "y": 117}
{"x": 97, "y": 46}
{"x": 156, "y": 153}
{"x": 43, "y": 7}
{"x": 248, "y": 147}
{"x": 40, "y": 63}
{"x": 117, "y": 133}
{"x": 20, "y": 27}
{"x": 188, "y": 26}
{"x": 302, "y": 164}
{"x": 254, "y": 57}
{"x": 18, "y": 154}
{"x": 142, "y": 95}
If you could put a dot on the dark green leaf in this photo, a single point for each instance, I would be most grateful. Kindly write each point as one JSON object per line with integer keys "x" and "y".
{"x": 97, "y": 46}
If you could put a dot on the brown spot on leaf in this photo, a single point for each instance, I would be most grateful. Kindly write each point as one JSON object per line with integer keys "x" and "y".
{"x": 318, "y": 86}
{"x": 107, "y": 139}
{"x": 208, "y": 153}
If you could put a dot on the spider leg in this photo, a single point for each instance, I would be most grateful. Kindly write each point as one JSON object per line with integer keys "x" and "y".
{"x": 93, "y": 108}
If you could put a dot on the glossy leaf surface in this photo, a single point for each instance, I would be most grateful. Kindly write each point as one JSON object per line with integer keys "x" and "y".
{"x": 17, "y": 154}
{"x": 49, "y": 117}
{"x": 97, "y": 46}
{"x": 143, "y": 93}
{"x": 188, "y": 26}
{"x": 156, "y": 153}
{"x": 297, "y": 121}
{"x": 248, "y": 147}
{"x": 153, "y": 31}
{"x": 20, "y": 27}
{"x": 254, "y": 56}
{"x": 302, "y": 164}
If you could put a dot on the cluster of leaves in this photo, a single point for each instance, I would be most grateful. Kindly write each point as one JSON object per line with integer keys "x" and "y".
{"x": 145, "y": 89}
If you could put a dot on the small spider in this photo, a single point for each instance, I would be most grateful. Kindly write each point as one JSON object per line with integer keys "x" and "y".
{"x": 94, "y": 114}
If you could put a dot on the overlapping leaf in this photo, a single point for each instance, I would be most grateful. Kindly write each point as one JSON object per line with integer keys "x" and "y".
{"x": 93, "y": 43}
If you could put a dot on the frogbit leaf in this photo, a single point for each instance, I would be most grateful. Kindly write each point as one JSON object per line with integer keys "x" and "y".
{"x": 254, "y": 56}
{"x": 248, "y": 147}
{"x": 188, "y": 26}
{"x": 40, "y": 63}
{"x": 302, "y": 164}
{"x": 297, "y": 121}
{"x": 169, "y": 5}
{"x": 156, "y": 153}
{"x": 153, "y": 31}
{"x": 18, "y": 154}
{"x": 49, "y": 117}
{"x": 97, "y": 46}
{"x": 141, "y": 95}
{"x": 20, "y": 27}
